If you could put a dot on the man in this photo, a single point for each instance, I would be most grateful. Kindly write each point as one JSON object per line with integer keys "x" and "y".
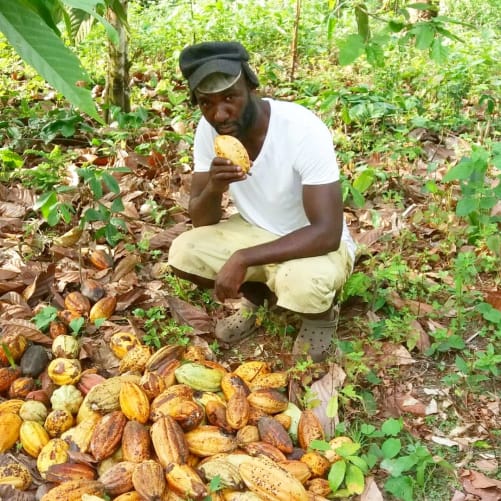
{"x": 289, "y": 236}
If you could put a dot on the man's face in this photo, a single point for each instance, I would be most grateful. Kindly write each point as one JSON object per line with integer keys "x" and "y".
{"x": 231, "y": 111}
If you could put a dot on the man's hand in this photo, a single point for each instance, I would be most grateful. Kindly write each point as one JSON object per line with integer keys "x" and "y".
{"x": 230, "y": 278}
{"x": 222, "y": 172}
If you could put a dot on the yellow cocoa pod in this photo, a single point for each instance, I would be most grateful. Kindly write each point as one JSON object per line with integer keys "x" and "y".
{"x": 55, "y": 451}
{"x": 251, "y": 369}
{"x": 16, "y": 475}
{"x": 122, "y": 342}
{"x": 134, "y": 402}
{"x": 58, "y": 421}
{"x": 104, "y": 308}
{"x": 10, "y": 424}
{"x": 231, "y": 148}
{"x": 12, "y": 406}
{"x": 184, "y": 480}
{"x": 64, "y": 371}
{"x": 33, "y": 437}
{"x": 208, "y": 440}
{"x": 271, "y": 482}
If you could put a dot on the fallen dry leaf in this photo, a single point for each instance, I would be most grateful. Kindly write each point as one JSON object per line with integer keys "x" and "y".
{"x": 478, "y": 484}
{"x": 325, "y": 389}
{"x": 26, "y": 328}
{"x": 371, "y": 491}
{"x": 186, "y": 314}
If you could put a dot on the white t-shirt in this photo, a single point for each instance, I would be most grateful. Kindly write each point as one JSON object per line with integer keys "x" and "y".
{"x": 297, "y": 151}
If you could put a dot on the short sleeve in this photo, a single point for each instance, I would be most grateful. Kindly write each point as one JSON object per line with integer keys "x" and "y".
{"x": 203, "y": 148}
{"x": 316, "y": 160}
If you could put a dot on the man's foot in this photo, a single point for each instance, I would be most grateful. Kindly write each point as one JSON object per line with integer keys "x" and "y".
{"x": 315, "y": 337}
{"x": 238, "y": 326}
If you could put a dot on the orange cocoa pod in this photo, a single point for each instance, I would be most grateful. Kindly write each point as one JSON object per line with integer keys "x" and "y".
{"x": 21, "y": 387}
{"x": 268, "y": 400}
{"x": 237, "y": 409}
{"x": 136, "y": 442}
{"x": 123, "y": 342}
{"x": 231, "y": 382}
{"x": 104, "y": 308}
{"x": 7, "y": 376}
{"x": 12, "y": 345}
{"x": 169, "y": 441}
{"x": 67, "y": 316}
{"x": 184, "y": 480}
{"x": 101, "y": 259}
{"x": 297, "y": 468}
{"x": 309, "y": 428}
{"x": 247, "y": 434}
{"x": 10, "y": 424}
{"x": 319, "y": 465}
{"x": 107, "y": 435}
{"x": 77, "y": 303}
{"x": 134, "y": 402}
{"x": 57, "y": 328}
{"x": 215, "y": 412}
{"x": 149, "y": 480}
{"x": 164, "y": 355}
{"x": 153, "y": 384}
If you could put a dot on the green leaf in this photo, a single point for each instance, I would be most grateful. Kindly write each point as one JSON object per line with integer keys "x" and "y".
{"x": 99, "y": 321}
{"x": 391, "y": 447}
{"x": 359, "y": 462}
{"x": 111, "y": 183}
{"x": 40, "y": 47}
{"x": 48, "y": 199}
{"x": 392, "y": 427}
{"x": 354, "y": 479}
{"x": 332, "y": 406}
{"x": 424, "y": 32}
{"x": 76, "y": 324}
{"x": 117, "y": 205}
{"x": 320, "y": 445}
{"x": 10, "y": 159}
{"x": 421, "y": 6}
{"x": 362, "y": 21}
{"x": 439, "y": 52}
{"x": 44, "y": 317}
{"x": 461, "y": 364}
{"x": 466, "y": 205}
{"x": 336, "y": 475}
{"x": 364, "y": 180}
{"x": 350, "y": 49}
{"x": 401, "y": 487}
{"x": 395, "y": 467}
{"x": 346, "y": 450}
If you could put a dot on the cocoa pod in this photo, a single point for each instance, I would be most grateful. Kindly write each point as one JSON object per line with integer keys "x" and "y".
{"x": 136, "y": 442}
{"x": 118, "y": 479}
{"x": 77, "y": 303}
{"x": 230, "y": 147}
{"x": 238, "y": 409}
{"x": 92, "y": 290}
{"x": 104, "y": 308}
{"x": 21, "y": 387}
{"x": 184, "y": 480}
{"x": 309, "y": 428}
{"x": 208, "y": 440}
{"x": 64, "y": 472}
{"x": 268, "y": 400}
{"x": 169, "y": 441}
{"x": 10, "y": 424}
{"x": 7, "y": 376}
{"x": 134, "y": 402}
{"x": 73, "y": 490}
{"x": 101, "y": 259}
{"x": 149, "y": 480}
{"x": 271, "y": 431}
{"x": 107, "y": 435}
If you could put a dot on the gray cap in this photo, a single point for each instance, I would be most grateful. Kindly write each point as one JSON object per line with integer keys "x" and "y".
{"x": 217, "y": 82}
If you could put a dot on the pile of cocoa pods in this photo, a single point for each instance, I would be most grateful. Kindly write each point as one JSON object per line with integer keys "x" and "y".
{"x": 171, "y": 425}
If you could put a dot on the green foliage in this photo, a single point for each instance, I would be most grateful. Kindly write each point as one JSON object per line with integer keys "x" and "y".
{"x": 161, "y": 330}
{"x": 44, "y": 317}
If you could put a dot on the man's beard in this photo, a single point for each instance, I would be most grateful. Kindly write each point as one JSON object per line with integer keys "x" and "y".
{"x": 248, "y": 117}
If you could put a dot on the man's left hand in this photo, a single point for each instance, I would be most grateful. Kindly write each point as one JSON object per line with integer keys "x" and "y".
{"x": 230, "y": 278}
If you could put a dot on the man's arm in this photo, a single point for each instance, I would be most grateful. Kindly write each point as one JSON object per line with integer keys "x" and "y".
{"x": 207, "y": 190}
{"x": 323, "y": 205}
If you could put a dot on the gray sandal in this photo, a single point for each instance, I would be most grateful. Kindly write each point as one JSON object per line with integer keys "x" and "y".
{"x": 315, "y": 338}
{"x": 238, "y": 326}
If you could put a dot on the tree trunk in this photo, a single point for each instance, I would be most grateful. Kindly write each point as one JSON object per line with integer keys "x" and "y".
{"x": 117, "y": 92}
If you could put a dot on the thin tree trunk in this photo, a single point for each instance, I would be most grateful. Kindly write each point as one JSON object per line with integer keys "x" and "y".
{"x": 117, "y": 92}
{"x": 295, "y": 40}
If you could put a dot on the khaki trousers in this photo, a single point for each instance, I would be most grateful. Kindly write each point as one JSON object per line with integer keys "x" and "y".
{"x": 306, "y": 285}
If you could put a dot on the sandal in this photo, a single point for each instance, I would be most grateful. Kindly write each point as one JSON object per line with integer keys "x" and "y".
{"x": 238, "y": 326}
{"x": 315, "y": 338}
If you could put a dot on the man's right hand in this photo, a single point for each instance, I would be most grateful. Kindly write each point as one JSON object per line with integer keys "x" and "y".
{"x": 222, "y": 172}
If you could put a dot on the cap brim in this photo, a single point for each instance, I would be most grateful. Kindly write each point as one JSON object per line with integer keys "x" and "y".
{"x": 232, "y": 68}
